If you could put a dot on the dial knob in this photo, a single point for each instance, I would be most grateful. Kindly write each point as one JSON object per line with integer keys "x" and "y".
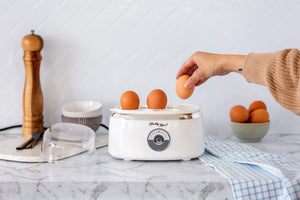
{"x": 158, "y": 139}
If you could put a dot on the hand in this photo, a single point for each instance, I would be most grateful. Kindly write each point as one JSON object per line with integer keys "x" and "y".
{"x": 201, "y": 66}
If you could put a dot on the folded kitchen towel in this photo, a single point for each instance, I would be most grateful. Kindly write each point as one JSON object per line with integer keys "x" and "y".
{"x": 253, "y": 174}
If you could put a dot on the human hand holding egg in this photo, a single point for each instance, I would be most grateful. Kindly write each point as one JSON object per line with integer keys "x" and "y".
{"x": 201, "y": 66}
{"x": 194, "y": 71}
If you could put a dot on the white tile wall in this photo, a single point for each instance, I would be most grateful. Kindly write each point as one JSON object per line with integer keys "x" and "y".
{"x": 97, "y": 49}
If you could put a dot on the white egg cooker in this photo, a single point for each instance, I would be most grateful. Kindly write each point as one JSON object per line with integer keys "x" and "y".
{"x": 174, "y": 133}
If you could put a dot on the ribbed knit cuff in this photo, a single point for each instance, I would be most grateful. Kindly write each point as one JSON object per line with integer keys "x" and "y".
{"x": 255, "y": 67}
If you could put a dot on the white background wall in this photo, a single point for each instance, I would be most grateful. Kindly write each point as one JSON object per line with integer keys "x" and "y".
{"x": 95, "y": 50}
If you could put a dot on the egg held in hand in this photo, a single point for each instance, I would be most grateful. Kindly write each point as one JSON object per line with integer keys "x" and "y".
{"x": 239, "y": 113}
{"x": 130, "y": 100}
{"x": 181, "y": 91}
{"x": 259, "y": 116}
{"x": 157, "y": 99}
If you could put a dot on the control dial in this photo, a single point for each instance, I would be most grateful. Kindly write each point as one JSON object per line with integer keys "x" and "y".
{"x": 158, "y": 139}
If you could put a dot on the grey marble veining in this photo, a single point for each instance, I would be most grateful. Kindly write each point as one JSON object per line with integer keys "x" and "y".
{"x": 117, "y": 179}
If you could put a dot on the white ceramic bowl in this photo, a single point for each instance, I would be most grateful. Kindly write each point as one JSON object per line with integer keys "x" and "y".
{"x": 250, "y": 132}
{"x": 82, "y": 109}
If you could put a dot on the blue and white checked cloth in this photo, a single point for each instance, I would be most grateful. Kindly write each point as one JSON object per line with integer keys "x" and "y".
{"x": 253, "y": 174}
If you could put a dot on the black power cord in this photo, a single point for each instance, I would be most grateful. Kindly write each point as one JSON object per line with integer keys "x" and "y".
{"x": 14, "y": 126}
{"x": 104, "y": 126}
{"x": 10, "y": 127}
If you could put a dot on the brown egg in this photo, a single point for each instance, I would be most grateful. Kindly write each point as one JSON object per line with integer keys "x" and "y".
{"x": 259, "y": 116}
{"x": 130, "y": 100}
{"x": 239, "y": 113}
{"x": 157, "y": 99}
{"x": 257, "y": 105}
{"x": 181, "y": 91}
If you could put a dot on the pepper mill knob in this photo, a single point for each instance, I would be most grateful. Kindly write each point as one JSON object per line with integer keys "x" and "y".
{"x": 32, "y": 42}
{"x": 32, "y": 97}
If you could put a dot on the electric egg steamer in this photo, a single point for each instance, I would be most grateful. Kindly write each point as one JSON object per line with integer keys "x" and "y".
{"x": 174, "y": 133}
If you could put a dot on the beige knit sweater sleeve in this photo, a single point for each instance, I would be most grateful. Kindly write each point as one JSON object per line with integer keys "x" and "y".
{"x": 280, "y": 72}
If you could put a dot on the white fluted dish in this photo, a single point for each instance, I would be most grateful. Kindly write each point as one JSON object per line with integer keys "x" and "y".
{"x": 82, "y": 109}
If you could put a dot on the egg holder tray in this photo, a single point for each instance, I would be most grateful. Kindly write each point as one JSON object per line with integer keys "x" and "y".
{"x": 171, "y": 109}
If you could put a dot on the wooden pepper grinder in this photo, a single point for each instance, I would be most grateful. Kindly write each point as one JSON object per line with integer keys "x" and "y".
{"x": 32, "y": 97}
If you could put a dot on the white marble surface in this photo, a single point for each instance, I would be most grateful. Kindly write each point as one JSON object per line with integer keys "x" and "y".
{"x": 117, "y": 179}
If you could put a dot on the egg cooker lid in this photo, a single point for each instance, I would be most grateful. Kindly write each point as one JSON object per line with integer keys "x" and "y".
{"x": 171, "y": 109}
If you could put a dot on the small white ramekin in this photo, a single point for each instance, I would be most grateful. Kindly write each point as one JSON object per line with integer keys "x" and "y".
{"x": 82, "y": 109}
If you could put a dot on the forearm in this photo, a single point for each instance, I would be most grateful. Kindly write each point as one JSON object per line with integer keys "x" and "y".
{"x": 232, "y": 63}
{"x": 280, "y": 72}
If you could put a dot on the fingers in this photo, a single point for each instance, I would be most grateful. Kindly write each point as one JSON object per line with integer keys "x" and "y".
{"x": 188, "y": 67}
{"x": 201, "y": 81}
{"x": 193, "y": 68}
{"x": 197, "y": 76}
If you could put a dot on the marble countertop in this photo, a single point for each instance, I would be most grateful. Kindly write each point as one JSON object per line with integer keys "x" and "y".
{"x": 117, "y": 179}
